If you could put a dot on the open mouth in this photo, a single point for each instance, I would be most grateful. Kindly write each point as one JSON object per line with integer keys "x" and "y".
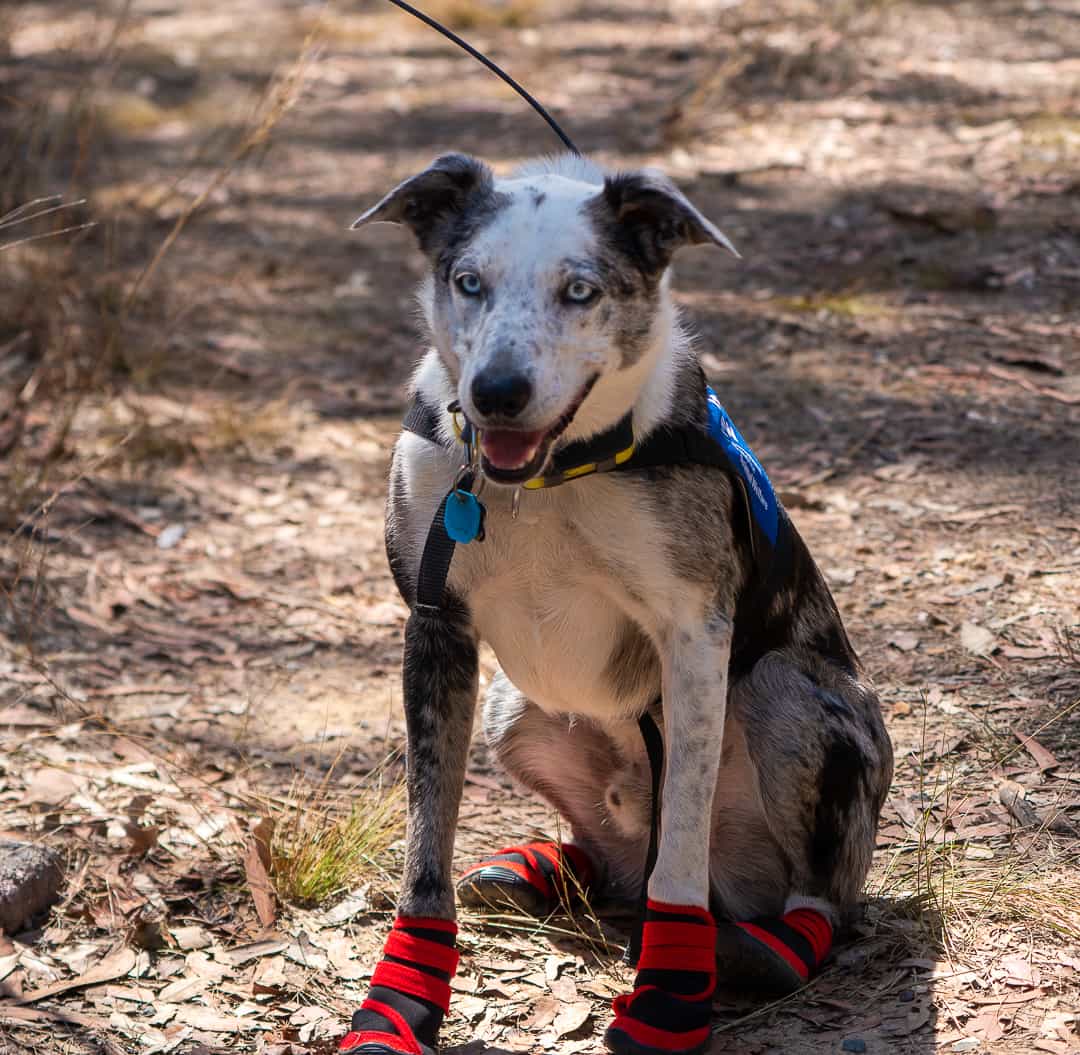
{"x": 513, "y": 456}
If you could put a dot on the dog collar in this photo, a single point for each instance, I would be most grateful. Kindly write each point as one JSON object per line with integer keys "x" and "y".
{"x": 599, "y": 454}
{"x": 714, "y": 442}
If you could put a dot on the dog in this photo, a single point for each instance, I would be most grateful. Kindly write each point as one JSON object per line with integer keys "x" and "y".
{"x": 610, "y": 588}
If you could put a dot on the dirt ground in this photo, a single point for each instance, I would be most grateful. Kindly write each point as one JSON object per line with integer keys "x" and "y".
{"x": 195, "y": 607}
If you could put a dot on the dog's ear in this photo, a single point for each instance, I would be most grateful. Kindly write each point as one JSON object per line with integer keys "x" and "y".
{"x": 426, "y": 201}
{"x": 657, "y": 217}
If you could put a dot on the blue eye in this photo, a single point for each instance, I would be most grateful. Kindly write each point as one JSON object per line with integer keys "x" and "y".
{"x": 580, "y": 292}
{"x": 469, "y": 284}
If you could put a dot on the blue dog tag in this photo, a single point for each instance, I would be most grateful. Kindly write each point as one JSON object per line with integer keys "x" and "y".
{"x": 464, "y": 515}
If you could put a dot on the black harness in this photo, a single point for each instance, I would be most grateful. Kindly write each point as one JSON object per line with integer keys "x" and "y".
{"x": 665, "y": 447}
{"x": 761, "y": 526}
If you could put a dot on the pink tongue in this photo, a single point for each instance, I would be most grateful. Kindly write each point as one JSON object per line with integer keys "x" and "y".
{"x": 508, "y": 448}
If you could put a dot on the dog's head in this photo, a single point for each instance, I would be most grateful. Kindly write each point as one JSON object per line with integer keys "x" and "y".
{"x": 546, "y": 297}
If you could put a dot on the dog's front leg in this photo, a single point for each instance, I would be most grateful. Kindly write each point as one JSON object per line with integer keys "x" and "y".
{"x": 669, "y": 1009}
{"x": 410, "y": 989}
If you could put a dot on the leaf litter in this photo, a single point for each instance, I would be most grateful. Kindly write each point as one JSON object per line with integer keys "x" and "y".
{"x": 213, "y": 615}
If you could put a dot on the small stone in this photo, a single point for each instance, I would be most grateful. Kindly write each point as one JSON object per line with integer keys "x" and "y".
{"x": 907, "y": 996}
{"x": 30, "y": 877}
{"x": 855, "y": 1044}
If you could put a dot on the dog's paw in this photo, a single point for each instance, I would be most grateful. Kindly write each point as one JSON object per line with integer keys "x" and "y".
{"x": 376, "y": 1042}
{"x": 410, "y": 991}
{"x": 629, "y": 1035}
{"x": 669, "y": 1011}
{"x": 773, "y": 956}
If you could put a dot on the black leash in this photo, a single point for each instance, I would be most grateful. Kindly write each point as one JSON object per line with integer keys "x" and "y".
{"x": 485, "y": 61}
{"x": 654, "y": 748}
{"x": 436, "y": 558}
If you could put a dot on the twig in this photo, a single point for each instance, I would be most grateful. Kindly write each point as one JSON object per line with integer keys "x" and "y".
{"x": 765, "y": 1008}
{"x": 1030, "y": 386}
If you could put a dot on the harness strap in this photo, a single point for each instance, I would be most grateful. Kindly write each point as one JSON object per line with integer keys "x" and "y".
{"x": 654, "y": 748}
{"x": 436, "y": 558}
{"x": 615, "y": 451}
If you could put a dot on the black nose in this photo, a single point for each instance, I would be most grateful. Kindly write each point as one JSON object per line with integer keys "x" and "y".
{"x": 500, "y": 394}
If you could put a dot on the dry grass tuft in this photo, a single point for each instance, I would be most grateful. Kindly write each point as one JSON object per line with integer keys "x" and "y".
{"x": 29, "y": 212}
{"x": 322, "y": 846}
{"x": 1026, "y": 882}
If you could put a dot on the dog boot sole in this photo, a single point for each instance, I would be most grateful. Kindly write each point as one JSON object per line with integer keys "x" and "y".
{"x": 495, "y": 889}
{"x": 743, "y": 964}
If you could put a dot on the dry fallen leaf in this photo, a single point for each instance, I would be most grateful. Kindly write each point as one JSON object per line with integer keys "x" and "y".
{"x": 188, "y": 938}
{"x": 182, "y": 989}
{"x": 51, "y": 787}
{"x": 263, "y": 834}
{"x": 904, "y": 641}
{"x": 907, "y": 1018}
{"x": 544, "y": 1010}
{"x": 1018, "y": 970}
{"x": 564, "y": 989}
{"x": 986, "y": 1025}
{"x": 142, "y": 839}
{"x": 262, "y": 892}
{"x": 1011, "y": 796}
{"x": 216, "y": 1021}
{"x": 572, "y": 1017}
{"x": 115, "y": 965}
{"x": 1044, "y": 759}
{"x": 977, "y": 639}
{"x": 255, "y": 950}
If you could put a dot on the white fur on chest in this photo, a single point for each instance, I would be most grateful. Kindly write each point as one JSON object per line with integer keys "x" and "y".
{"x": 554, "y": 591}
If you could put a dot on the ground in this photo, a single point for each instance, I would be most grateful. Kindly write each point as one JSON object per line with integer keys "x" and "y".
{"x": 198, "y": 629}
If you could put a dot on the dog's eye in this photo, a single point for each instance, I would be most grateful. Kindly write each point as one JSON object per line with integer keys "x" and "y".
{"x": 580, "y": 292}
{"x": 468, "y": 283}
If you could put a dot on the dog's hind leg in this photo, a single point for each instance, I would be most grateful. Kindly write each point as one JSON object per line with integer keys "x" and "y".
{"x": 595, "y": 776}
{"x": 410, "y": 988}
{"x": 823, "y": 764}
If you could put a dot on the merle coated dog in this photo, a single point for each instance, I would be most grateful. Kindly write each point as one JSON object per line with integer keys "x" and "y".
{"x": 651, "y": 581}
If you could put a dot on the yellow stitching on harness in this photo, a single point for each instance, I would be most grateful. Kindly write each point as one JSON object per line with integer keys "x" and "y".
{"x": 624, "y": 456}
{"x": 579, "y": 470}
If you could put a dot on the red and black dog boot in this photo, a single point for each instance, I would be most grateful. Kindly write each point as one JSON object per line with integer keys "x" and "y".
{"x": 670, "y": 1010}
{"x": 535, "y": 879}
{"x": 773, "y": 956}
{"x": 410, "y": 991}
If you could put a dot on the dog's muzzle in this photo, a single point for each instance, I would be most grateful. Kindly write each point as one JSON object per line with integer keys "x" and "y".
{"x": 512, "y": 455}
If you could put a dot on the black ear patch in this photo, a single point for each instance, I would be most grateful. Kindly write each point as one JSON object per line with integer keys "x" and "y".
{"x": 430, "y": 202}
{"x": 654, "y": 218}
